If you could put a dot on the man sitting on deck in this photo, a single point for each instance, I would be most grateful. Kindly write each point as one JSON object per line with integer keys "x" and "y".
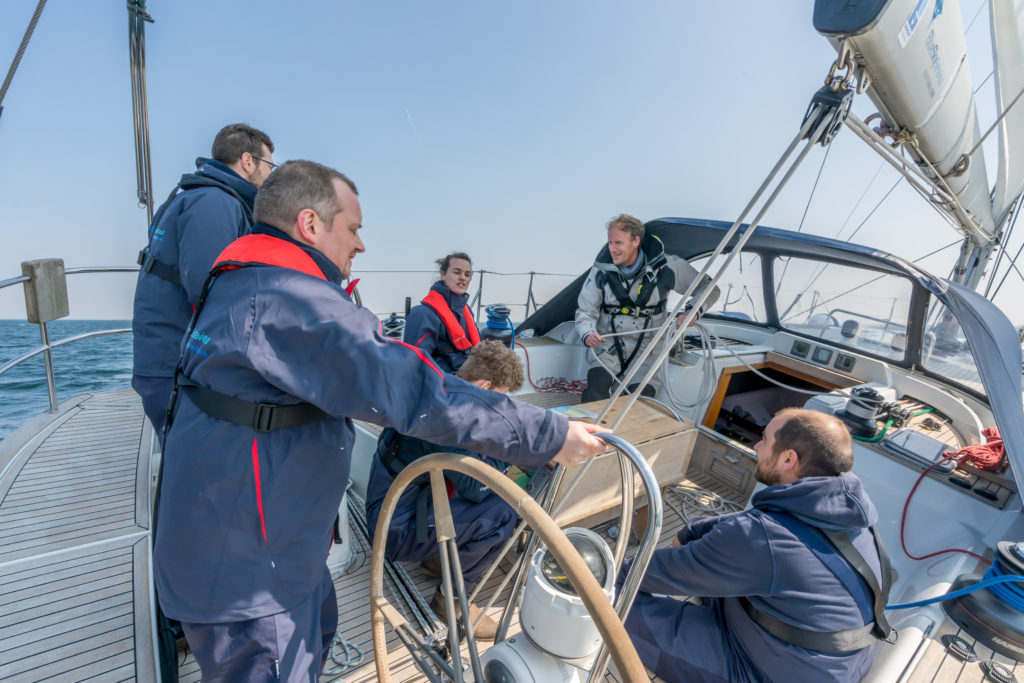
{"x": 793, "y": 588}
{"x": 482, "y": 521}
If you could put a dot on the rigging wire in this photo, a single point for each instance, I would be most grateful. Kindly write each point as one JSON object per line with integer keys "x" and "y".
{"x": 996, "y": 123}
{"x": 21, "y": 52}
{"x": 1013, "y": 261}
{"x": 875, "y": 279}
{"x": 800, "y": 228}
{"x": 981, "y": 6}
{"x": 824, "y": 267}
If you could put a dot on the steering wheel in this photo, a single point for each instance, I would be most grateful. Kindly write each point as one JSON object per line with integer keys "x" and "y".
{"x": 383, "y": 612}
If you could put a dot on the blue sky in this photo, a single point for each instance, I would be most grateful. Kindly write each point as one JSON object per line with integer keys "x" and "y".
{"x": 510, "y": 130}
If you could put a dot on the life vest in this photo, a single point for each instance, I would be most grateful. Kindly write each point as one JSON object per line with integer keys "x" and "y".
{"x": 655, "y": 277}
{"x": 146, "y": 260}
{"x": 462, "y": 339}
{"x": 245, "y": 252}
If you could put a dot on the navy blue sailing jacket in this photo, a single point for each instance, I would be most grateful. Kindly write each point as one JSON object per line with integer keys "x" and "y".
{"x": 195, "y": 228}
{"x": 245, "y": 518}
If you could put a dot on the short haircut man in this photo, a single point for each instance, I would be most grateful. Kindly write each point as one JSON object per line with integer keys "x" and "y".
{"x": 236, "y": 139}
{"x": 298, "y": 185}
{"x": 773, "y": 563}
{"x": 822, "y": 441}
{"x": 257, "y": 456}
{"x": 206, "y": 211}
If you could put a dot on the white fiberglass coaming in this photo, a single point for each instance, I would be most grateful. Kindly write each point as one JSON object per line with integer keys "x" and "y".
{"x": 818, "y": 314}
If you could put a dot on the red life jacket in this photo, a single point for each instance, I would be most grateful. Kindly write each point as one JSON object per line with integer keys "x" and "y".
{"x": 266, "y": 250}
{"x": 436, "y": 302}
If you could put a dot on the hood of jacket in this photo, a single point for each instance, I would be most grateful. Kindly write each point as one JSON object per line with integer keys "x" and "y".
{"x": 825, "y": 502}
{"x": 211, "y": 168}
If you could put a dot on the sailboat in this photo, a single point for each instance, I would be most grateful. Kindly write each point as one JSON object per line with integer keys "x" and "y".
{"x": 916, "y": 364}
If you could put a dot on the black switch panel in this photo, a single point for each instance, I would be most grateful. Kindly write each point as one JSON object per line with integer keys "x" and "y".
{"x": 822, "y": 355}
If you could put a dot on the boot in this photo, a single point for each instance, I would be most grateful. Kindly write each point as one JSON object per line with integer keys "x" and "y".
{"x": 431, "y": 566}
{"x": 485, "y": 629}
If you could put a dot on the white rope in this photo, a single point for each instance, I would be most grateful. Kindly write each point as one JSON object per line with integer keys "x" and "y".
{"x": 764, "y": 376}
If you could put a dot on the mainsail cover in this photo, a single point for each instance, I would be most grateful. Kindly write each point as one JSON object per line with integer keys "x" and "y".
{"x": 1008, "y": 56}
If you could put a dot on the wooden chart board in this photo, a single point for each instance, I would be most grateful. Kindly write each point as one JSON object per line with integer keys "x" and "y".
{"x": 666, "y": 442}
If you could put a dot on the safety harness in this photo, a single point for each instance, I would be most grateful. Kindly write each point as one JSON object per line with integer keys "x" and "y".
{"x": 462, "y": 338}
{"x": 146, "y": 260}
{"x": 654, "y": 277}
{"x": 836, "y": 551}
{"x": 247, "y": 252}
{"x": 395, "y": 459}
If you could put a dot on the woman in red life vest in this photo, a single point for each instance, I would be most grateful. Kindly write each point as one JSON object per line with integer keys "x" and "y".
{"x": 442, "y": 325}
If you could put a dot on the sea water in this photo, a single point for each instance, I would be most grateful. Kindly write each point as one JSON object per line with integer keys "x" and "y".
{"x": 95, "y": 364}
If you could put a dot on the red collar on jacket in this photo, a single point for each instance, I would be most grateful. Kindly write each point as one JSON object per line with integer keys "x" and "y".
{"x": 436, "y": 302}
{"x": 266, "y": 250}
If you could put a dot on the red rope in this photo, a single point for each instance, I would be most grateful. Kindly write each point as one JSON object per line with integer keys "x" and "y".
{"x": 903, "y": 521}
{"x": 572, "y": 386}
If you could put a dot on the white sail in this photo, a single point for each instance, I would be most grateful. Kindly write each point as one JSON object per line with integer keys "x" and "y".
{"x": 916, "y": 57}
{"x": 1008, "y": 57}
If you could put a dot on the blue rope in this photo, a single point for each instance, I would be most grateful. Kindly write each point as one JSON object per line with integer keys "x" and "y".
{"x": 498, "y": 318}
{"x": 1007, "y": 592}
{"x": 993, "y": 580}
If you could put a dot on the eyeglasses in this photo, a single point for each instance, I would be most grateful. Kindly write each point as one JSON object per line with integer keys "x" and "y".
{"x": 271, "y": 164}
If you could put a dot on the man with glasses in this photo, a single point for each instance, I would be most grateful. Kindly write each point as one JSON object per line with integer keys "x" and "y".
{"x": 206, "y": 211}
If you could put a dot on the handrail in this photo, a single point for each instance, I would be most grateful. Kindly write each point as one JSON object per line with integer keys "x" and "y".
{"x": 67, "y": 340}
{"x": 47, "y": 346}
{"x": 14, "y": 280}
{"x": 101, "y": 269}
{"x": 73, "y": 271}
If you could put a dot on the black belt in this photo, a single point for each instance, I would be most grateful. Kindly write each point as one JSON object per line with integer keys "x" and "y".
{"x": 262, "y": 417}
{"x": 152, "y": 266}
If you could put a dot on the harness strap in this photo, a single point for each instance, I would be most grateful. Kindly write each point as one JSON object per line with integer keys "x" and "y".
{"x": 262, "y": 417}
{"x": 188, "y": 181}
{"x": 163, "y": 271}
{"x": 837, "y": 552}
{"x": 634, "y": 311}
{"x": 836, "y": 641}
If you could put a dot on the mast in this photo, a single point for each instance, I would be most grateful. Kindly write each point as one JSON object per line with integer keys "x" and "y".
{"x": 137, "y": 18}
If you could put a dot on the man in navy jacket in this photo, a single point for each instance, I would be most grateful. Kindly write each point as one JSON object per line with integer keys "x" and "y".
{"x": 257, "y": 456}
{"x": 767, "y": 562}
{"x": 483, "y": 521}
{"x": 207, "y": 211}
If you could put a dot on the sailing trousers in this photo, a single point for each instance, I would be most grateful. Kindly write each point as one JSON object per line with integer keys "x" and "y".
{"x": 684, "y": 642}
{"x": 288, "y": 646}
{"x": 480, "y": 530}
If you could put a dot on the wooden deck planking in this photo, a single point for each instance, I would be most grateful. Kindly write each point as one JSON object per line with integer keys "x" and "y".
{"x": 74, "y": 547}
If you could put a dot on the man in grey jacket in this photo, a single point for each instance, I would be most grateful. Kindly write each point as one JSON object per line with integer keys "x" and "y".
{"x": 793, "y": 588}
{"x": 278, "y": 362}
{"x": 624, "y": 296}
